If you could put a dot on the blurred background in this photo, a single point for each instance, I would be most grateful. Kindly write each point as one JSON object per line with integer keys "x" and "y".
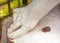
{"x": 6, "y": 9}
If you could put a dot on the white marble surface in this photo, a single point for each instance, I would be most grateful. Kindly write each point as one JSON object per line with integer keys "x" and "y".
{"x": 38, "y": 14}
{"x": 37, "y": 36}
